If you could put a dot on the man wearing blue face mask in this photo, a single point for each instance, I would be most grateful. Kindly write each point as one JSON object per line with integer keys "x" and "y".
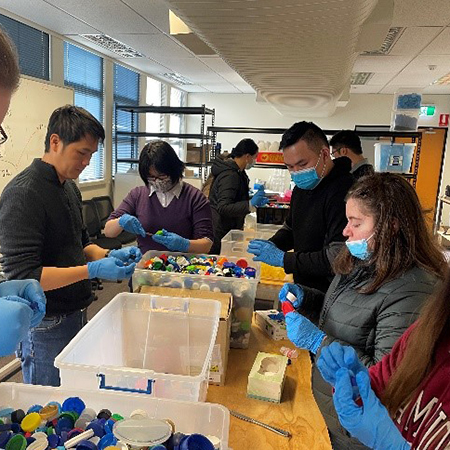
{"x": 313, "y": 228}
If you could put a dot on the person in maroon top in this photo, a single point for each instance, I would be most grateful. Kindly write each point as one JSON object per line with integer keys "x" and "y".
{"x": 164, "y": 203}
{"x": 405, "y": 398}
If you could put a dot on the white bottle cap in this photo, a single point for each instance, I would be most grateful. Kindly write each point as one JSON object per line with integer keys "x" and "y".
{"x": 291, "y": 297}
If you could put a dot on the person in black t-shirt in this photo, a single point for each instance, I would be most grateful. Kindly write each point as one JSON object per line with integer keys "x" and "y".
{"x": 313, "y": 228}
{"x": 347, "y": 143}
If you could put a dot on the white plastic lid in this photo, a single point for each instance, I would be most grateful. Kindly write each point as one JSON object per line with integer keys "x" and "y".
{"x": 291, "y": 297}
{"x": 142, "y": 432}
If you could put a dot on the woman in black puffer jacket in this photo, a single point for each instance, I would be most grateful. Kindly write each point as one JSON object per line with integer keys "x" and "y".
{"x": 229, "y": 193}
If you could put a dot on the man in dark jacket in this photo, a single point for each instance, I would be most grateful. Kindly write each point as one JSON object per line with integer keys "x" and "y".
{"x": 313, "y": 228}
{"x": 347, "y": 143}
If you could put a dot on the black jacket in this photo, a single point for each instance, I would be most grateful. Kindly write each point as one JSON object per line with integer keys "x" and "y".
{"x": 229, "y": 199}
{"x": 314, "y": 226}
{"x": 370, "y": 323}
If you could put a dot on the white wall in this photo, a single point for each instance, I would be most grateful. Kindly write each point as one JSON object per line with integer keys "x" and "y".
{"x": 241, "y": 110}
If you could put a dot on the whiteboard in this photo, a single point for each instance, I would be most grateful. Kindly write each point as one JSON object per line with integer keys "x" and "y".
{"x": 26, "y": 124}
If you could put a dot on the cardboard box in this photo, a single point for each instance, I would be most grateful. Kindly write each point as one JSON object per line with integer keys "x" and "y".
{"x": 276, "y": 329}
{"x": 219, "y": 360}
{"x": 195, "y": 154}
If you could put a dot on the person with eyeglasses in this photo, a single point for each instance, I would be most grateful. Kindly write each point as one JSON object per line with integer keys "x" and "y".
{"x": 43, "y": 237}
{"x": 22, "y": 302}
{"x": 164, "y": 203}
{"x": 346, "y": 143}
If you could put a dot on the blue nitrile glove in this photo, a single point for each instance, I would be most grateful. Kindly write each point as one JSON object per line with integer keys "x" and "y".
{"x": 301, "y": 331}
{"x": 370, "y": 423}
{"x": 259, "y": 198}
{"x": 15, "y": 321}
{"x": 110, "y": 269}
{"x": 172, "y": 241}
{"x": 267, "y": 252}
{"x": 131, "y": 224}
{"x": 294, "y": 289}
{"x": 127, "y": 255}
{"x": 29, "y": 290}
{"x": 336, "y": 356}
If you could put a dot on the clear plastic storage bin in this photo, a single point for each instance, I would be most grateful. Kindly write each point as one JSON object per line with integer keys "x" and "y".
{"x": 405, "y": 120}
{"x": 242, "y": 289}
{"x": 204, "y": 418}
{"x": 395, "y": 158}
{"x": 158, "y": 346}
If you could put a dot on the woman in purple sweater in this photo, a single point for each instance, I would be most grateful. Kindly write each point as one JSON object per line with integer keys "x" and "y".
{"x": 164, "y": 203}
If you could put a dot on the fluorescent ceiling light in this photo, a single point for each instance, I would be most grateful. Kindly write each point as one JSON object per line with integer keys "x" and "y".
{"x": 443, "y": 80}
{"x": 389, "y": 41}
{"x": 113, "y": 45}
{"x": 177, "y": 78}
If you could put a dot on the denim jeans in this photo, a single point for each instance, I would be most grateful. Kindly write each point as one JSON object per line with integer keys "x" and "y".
{"x": 44, "y": 343}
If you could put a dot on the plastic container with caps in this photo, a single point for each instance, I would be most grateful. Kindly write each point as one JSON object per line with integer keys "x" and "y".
{"x": 243, "y": 289}
{"x": 395, "y": 158}
{"x": 405, "y": 120}
{"x": 404, "y": 99}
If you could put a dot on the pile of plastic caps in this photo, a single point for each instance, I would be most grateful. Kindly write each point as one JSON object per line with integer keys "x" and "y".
{"x": 201, "y": 265}
{"x": 71, "y": 425}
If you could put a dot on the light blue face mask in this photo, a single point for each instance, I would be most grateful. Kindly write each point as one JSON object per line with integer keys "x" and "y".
{"x": 307, "y": 178}
{"x": 359, "y": 249}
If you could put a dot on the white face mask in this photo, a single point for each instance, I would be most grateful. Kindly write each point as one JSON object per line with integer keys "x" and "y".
{"x": 250, "y": 164}
{"x": 159, "y": 185}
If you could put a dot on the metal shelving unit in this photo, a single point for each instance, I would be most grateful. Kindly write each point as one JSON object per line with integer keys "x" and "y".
{"x": 365, "y": 132}
{"x": 203, "y": 137}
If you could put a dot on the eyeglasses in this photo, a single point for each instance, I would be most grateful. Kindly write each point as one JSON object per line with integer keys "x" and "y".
{"x": 336, "y": 151}
{"x": 3, "y": 136}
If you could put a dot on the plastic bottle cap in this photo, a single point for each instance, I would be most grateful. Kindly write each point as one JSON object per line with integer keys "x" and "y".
{"x": 138, "y": 414}
{"x": 49, "y": 412}
{"x": 39, "y": 444}
{"x": 73, "y": 404}
{"x": 34, "y": 408}
{"x": 17, "y": 442}
{"x": 31, "y": 422}
{"x": 4, "y": 438}
{"x": 86, "y": 445}
{"x": 196, "y": 442}
{"x": 107, "y": 440}
{"x": 215, "y": 441}
{"x": 73, "y": 442}
{"x": 142, "y": 432}
{"x": 39, "y": 436}
{"x": 291, "y": 297}
{"x": 5, "y": 411}
{"x": 53, "y": 441}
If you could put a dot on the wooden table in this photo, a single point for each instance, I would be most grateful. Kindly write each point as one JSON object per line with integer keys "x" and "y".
{"x": 297, "y": 412}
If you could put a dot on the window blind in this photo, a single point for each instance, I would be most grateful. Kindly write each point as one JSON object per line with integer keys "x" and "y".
{"x": 83, "y": 71}
{"x": 32, "y": 46}
{"x": 126, "y": 92}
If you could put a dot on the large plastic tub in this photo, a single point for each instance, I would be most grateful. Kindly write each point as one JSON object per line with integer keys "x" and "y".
{"x": 243, "y": 290}
{"x": 157, "y": 346}
{"x": 395, "y": 158}
{"x": 204, "y": 418}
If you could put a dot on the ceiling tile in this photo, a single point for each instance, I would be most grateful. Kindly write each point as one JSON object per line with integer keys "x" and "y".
{"x": 413, "y": 40}
{"x": 408, "y": 13}
{"x": 440, "y": 45}
{"x": 155, "y": 11}
{"x": 381, "y": 64}
{"x": 110, "y": 16}
{"x": 47, "y": 16}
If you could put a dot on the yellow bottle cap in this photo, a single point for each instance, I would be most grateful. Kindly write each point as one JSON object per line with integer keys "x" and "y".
{"x": 31, "y": 422}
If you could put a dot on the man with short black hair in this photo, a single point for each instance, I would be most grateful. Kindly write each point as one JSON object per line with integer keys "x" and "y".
{"x": 43, "y": 237}
{"x": 313, "y": 228}
{"x": 347, "y": 143}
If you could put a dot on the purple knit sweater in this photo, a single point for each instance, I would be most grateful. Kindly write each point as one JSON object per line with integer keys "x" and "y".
{"x": 189, "y": 215}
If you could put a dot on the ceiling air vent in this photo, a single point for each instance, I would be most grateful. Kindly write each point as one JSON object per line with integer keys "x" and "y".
{"x": 177, "y": 78}
{"x": 113, "y": 45}
{"x": 390, "y": 40}
{"x": 360, "y": 78}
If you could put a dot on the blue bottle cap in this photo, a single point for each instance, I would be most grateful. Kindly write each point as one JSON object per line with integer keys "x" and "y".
{"x": 195, "y": 442}
{"x": 109, "y": 426}
{"x": 5, "y": 436}
{"x": 5, "y": 411}
{"x": 98, "y": 426}
{"x": 64, "y": 424}
{"x": 106, "y": 441}
{"x": 30, "y": 440}
{"x": 34, "y": 408}
{"x": 5, "y": 427}
{"x": 86, "y": 445}
{"x": 73, "y": 404}
{"x": 53, "y": 440}
{"x": 15, "y": 428}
